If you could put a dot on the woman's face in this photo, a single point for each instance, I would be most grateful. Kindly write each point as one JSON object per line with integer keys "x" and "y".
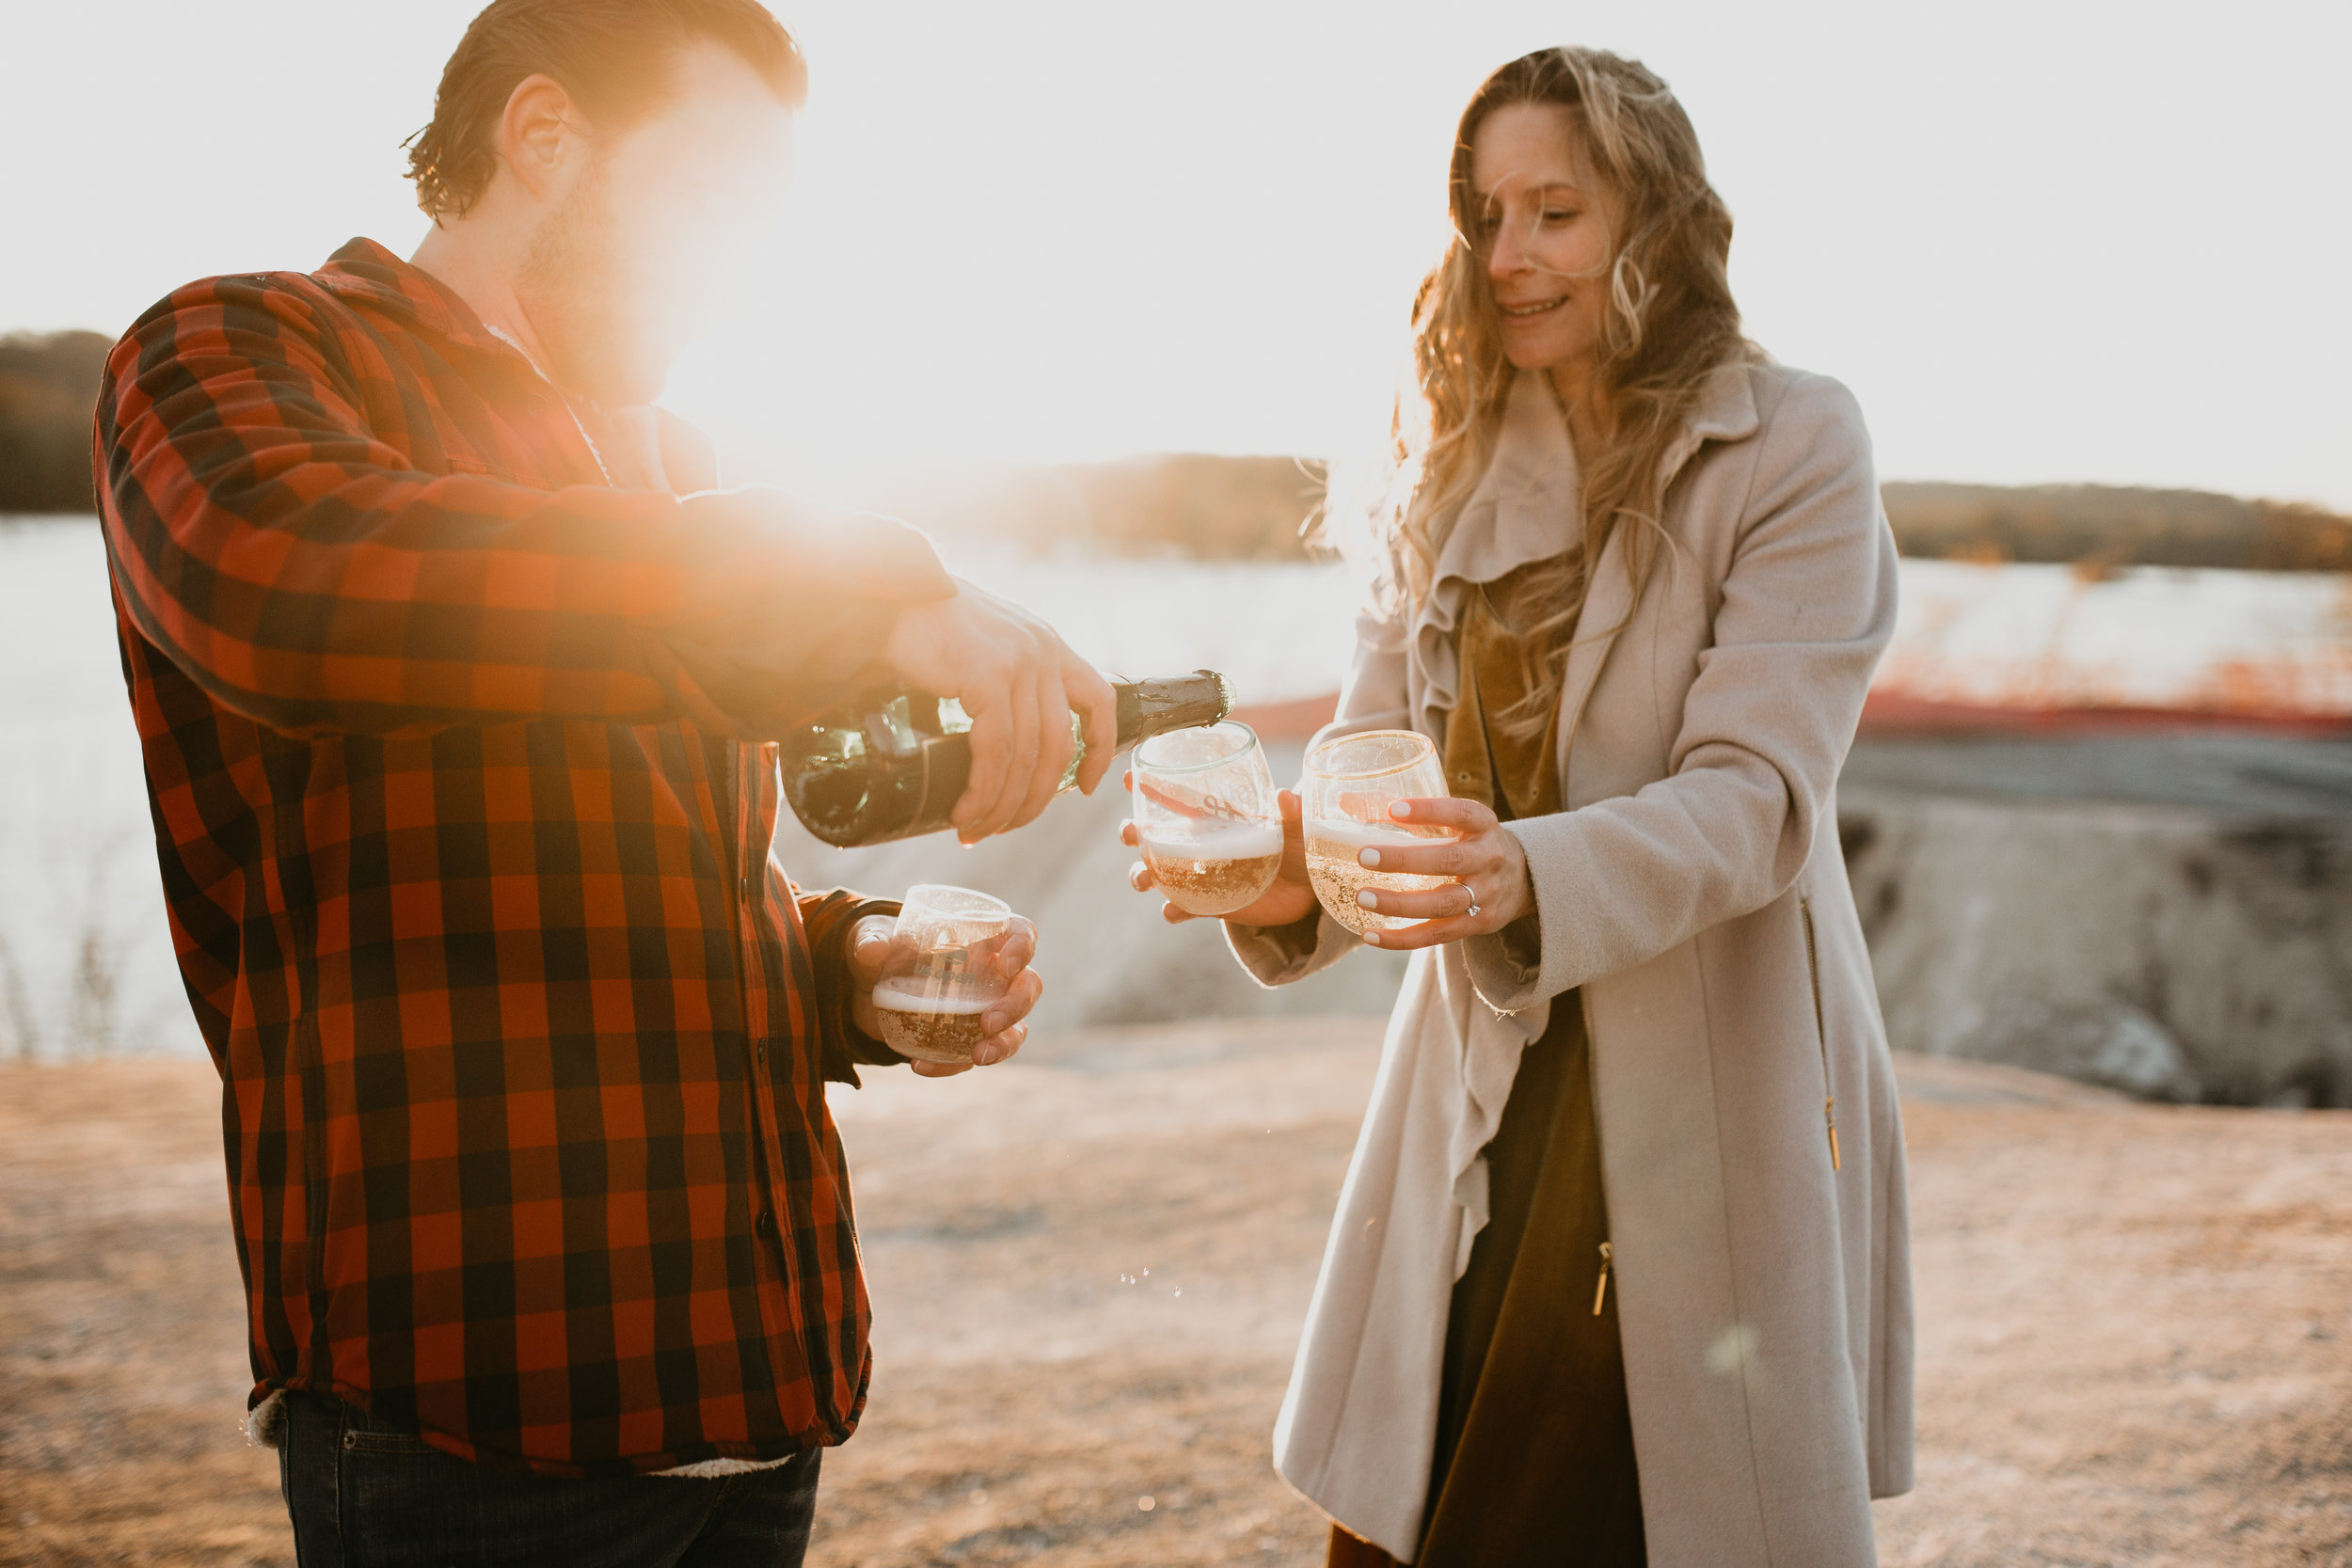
{"x": 1542, "y": 222}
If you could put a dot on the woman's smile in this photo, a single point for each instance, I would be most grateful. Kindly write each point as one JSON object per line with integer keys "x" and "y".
{"x": 1525, "y": 312}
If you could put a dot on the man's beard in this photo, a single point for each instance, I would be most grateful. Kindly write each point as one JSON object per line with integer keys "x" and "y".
{"x": 572, "y": 288}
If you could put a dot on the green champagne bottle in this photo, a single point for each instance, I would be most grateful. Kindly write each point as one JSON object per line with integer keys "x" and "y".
{"x": 892, "y": 763}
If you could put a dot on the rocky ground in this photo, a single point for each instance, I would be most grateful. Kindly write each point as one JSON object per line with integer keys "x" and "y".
{"x": 2136, "y": 1323}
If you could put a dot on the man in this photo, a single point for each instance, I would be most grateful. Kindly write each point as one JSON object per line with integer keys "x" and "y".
{"x": 456, "y": 680}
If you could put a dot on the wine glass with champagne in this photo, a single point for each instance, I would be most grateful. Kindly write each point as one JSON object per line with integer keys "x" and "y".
{"x": 1350, "y": 782}
{"x": 945, "y": 967}
{"x": 1206, "y": 818}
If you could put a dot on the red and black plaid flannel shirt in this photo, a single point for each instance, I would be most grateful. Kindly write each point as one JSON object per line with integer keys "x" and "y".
{"x": 455, "y": 756}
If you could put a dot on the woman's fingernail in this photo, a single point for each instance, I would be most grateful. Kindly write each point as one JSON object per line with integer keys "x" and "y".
{"x": 1400, "y": 810}
{"x": 1373, "y": 937}
{"x": 1369, "y": 859}
{"x": 1368, "y": 900}
{"x": 984, "y": 1055}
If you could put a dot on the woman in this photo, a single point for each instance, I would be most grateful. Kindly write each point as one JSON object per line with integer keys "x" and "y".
{"x": 1620, "y": 1269}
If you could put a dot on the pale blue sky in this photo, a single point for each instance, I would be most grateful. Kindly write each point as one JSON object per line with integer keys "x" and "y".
{"x": 2043, "y": 240}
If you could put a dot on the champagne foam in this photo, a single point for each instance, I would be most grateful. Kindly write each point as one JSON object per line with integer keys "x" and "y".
{"x": 1221, "y": 841}
{"x": 907, "y": 996}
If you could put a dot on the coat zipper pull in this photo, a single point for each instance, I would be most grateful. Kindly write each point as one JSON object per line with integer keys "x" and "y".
{"x": 1600, "y": 1291}
{"x": 1821, "y": 1029}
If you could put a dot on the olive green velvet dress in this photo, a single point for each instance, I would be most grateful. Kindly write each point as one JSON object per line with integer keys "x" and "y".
{"x": 1535, "y": 1453}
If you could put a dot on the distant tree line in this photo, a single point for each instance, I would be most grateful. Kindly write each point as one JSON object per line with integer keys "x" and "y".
{"x": 1209, "y": 508}
{"x": 2098, "y": 526}
{"x": 48, "y": 387}
{"x": 1261, "y": 508}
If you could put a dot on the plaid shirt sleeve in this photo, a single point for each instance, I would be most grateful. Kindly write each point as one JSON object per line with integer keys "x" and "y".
{"x": 831, "y": 919}
{"x": 302, "y": 573}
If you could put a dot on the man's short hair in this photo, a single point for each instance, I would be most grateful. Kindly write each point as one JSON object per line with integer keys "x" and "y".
{"x": 617, "y": 58}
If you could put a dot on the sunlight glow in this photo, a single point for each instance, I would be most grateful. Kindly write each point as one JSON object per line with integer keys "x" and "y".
{"x": 2042, "y": 241}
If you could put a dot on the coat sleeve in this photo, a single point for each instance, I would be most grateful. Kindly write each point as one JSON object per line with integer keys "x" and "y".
{"x": 1807, "y": 606}
{"x": 305, "y": 575}
{"x": 1372, "y": 698}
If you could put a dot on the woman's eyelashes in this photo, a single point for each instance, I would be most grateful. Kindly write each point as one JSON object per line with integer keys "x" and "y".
{"x": 1489, "y": 225}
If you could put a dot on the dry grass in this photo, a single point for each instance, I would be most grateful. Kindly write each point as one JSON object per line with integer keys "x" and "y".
{"x": 2136, "y": 1328}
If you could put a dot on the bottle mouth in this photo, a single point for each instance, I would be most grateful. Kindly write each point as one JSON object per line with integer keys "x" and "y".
{"x": 1225, "y": 698}
{"x": 1384, "y": 752}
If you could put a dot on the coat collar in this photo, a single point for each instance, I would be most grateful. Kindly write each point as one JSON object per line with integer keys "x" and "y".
{"x": 1526, "y": 503}
{"x": 1725, "y": 411}
{"x": 1525, "y": 508}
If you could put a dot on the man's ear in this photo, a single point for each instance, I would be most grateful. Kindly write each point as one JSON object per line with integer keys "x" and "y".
{"x": 541, "y": 129}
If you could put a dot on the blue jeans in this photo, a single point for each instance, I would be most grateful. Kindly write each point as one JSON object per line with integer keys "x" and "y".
{"x": 365, "y": 1495}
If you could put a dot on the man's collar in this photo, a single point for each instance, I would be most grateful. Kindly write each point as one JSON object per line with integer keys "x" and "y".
{"x": 364, "y": 272}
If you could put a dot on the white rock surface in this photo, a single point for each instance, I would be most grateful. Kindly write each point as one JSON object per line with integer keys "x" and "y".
{"x": 2172, "y": 952}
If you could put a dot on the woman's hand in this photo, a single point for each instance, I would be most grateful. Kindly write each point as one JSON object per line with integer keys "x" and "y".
{"x": 1488, "y": 867}
{"x": 1289, "y": 900}
{"x": 872, "y": 951}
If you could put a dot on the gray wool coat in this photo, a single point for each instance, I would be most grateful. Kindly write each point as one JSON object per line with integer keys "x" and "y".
{"x": 1694, "y": 894}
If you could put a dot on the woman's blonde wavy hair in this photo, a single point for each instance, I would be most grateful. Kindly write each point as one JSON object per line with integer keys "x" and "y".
{"x": 1670, "y": 321}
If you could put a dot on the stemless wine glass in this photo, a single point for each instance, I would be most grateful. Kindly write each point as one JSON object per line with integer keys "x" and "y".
{"x": 1205, "y": 816}
{"x": 943, "y": 969}
{"x": 1349, "y": 785}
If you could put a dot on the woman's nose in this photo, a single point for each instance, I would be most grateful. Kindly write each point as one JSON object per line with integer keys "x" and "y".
{"x": 1504, "y": 257}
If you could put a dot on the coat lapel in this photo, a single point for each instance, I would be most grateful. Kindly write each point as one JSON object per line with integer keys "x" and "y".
{"x": 1726, "y": 412}
{"x": 1607, "y": 597}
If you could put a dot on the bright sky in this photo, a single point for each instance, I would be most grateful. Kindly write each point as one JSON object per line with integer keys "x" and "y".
{"x": 2043, "y": 240}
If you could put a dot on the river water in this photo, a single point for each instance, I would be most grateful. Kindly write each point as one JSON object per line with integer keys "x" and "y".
{"x": 86, "y": 962}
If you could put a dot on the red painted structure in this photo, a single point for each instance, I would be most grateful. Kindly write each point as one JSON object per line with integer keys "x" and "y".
{"x": 2044, "y": 650}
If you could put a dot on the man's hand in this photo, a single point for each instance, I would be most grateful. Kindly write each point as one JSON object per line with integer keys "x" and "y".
{"x": 1019, "y": 682}
{"x": 871, "y": 948}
